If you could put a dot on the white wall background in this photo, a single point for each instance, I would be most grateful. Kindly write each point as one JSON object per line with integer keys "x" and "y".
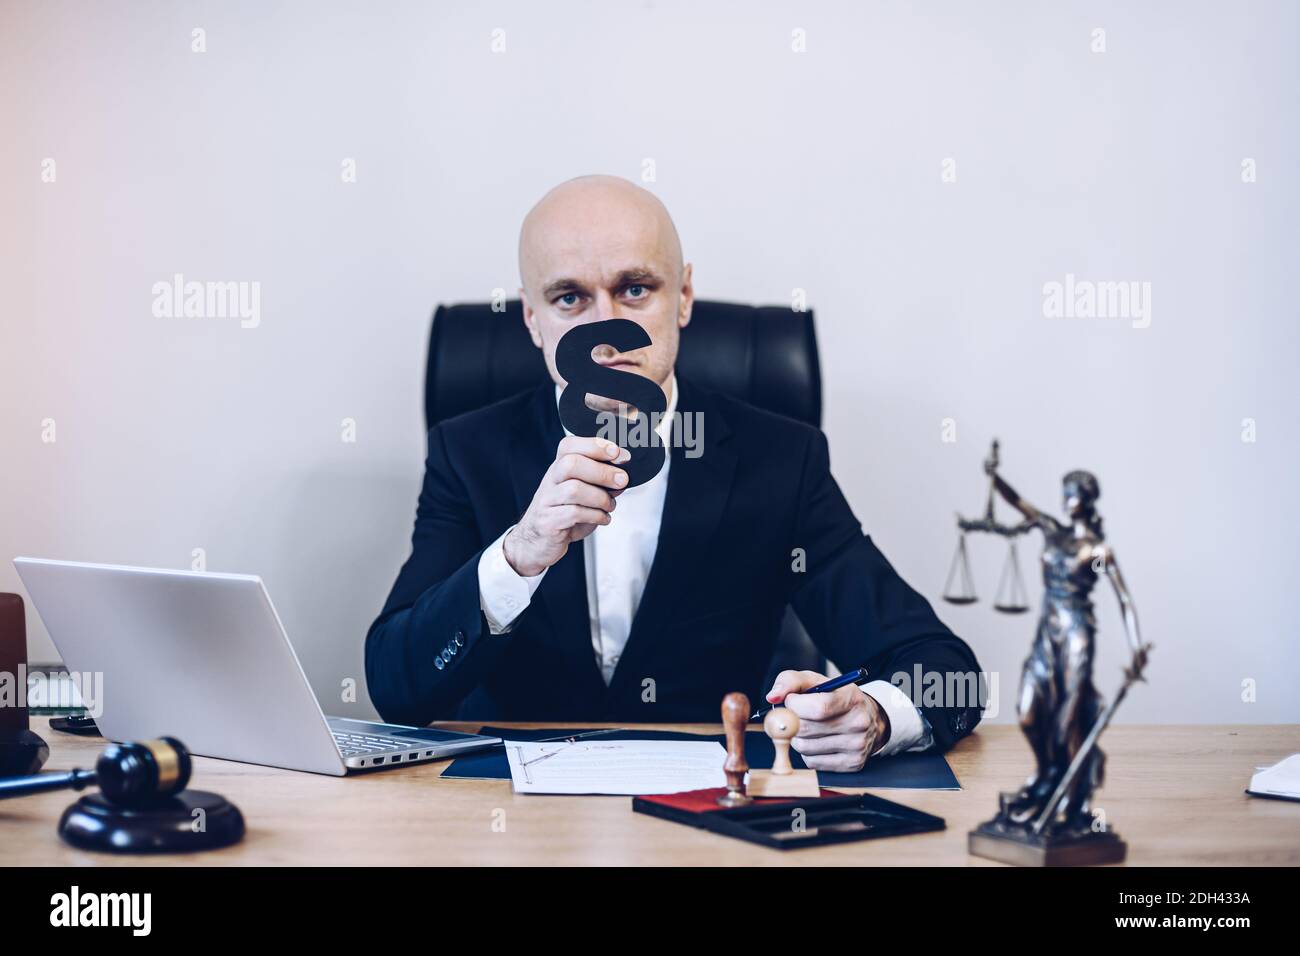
{"x": 818, "y": 171}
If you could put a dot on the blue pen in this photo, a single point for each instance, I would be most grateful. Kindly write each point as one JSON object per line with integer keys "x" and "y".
{"x": 858, "y": 676}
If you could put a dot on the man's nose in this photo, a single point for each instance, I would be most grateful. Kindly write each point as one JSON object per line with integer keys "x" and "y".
{"x": 604, "y": 307}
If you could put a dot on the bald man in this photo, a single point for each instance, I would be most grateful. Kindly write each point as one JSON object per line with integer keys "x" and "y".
{"x": 541, "y": 587}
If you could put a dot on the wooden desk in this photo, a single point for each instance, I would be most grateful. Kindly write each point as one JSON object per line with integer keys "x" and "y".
{"x": 1174, "y": 793}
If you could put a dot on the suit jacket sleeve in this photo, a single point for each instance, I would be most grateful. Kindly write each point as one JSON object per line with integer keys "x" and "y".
{"x": 860, "y": 613}
{"x": 433, "y": 611}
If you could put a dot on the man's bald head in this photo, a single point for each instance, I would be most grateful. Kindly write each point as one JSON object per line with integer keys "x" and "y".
{"x": 600, "y": 247}
{"x": 596, "y": 210}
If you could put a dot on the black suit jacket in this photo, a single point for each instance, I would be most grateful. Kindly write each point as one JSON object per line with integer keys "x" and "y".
{"x": 708, "y": 619}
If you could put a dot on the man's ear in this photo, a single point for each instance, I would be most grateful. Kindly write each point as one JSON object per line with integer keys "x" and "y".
{"x": 687, "y": 300}
{"x": 530, "y": 319}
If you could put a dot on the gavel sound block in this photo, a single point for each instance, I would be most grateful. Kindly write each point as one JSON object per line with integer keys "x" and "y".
{"x": 782, "y": 780}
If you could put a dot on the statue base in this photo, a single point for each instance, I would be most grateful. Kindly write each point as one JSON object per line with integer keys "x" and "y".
{"x": 1020, "y": 846}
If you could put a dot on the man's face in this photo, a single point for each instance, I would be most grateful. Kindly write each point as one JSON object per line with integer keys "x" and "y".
{"x": 590, "y": 252}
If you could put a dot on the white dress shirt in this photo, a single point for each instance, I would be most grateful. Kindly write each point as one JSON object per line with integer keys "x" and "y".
{"x": 618, "y": 557}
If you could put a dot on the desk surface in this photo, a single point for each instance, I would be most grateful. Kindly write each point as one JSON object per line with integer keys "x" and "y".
{"x": 1173, "y": 792}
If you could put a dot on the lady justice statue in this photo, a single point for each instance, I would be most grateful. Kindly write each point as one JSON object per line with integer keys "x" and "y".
{"x": 1049, "y": 821}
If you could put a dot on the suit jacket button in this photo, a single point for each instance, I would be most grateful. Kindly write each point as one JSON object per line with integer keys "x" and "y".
{"x": 460, "y": 638}
{"x": 446, "y": 656}
{"x": 439, "y": 663}
{"x": 452, "y": 649}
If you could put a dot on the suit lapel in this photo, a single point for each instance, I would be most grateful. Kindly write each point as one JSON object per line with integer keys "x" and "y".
{"x": 697, "y": 494}
{"x": 563, "y": 592}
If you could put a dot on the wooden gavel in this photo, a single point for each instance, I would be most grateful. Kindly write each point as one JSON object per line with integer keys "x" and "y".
{"x": 130, "y": 775}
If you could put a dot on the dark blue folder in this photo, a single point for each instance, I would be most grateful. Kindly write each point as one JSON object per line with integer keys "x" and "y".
{"x": 923, "y": 771}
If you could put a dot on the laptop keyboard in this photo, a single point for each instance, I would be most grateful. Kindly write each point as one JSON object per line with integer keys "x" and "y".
{"x": 363, "y": 745}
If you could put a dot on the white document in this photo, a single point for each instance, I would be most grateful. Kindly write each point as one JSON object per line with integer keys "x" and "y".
{"x": 632, "y": 767}
{"x": 1280, "y": 780}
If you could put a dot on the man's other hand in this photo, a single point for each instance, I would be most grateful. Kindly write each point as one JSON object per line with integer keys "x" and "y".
{"x": 575, "y": 495}
{"x": 838, "y": 730}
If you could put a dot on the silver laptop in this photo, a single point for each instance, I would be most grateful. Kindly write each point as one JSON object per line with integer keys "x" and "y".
{"x": 204, "y": 658}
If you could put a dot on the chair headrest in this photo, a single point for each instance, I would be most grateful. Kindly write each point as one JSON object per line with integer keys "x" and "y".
{"x": 766, "y": 356}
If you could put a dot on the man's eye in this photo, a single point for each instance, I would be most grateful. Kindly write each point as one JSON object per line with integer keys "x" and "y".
{"x": 636, "y": 291}
{"x": 569, "y": 299}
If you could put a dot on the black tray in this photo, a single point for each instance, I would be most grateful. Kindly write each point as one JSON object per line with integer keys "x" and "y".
{"x": 790, "y": 824}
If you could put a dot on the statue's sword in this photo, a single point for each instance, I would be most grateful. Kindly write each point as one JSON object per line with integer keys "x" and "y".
{"x": 1131, "y": 675}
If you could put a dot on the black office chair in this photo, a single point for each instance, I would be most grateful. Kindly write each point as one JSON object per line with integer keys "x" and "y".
{"x": 766, "y": 356}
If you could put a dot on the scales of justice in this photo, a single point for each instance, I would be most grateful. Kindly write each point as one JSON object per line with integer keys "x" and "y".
{"x": 1050, "y": 821}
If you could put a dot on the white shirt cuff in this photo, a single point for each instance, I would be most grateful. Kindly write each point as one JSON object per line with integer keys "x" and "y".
{"x": 503, "y": 593}
{"x": 908, "y": 729}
